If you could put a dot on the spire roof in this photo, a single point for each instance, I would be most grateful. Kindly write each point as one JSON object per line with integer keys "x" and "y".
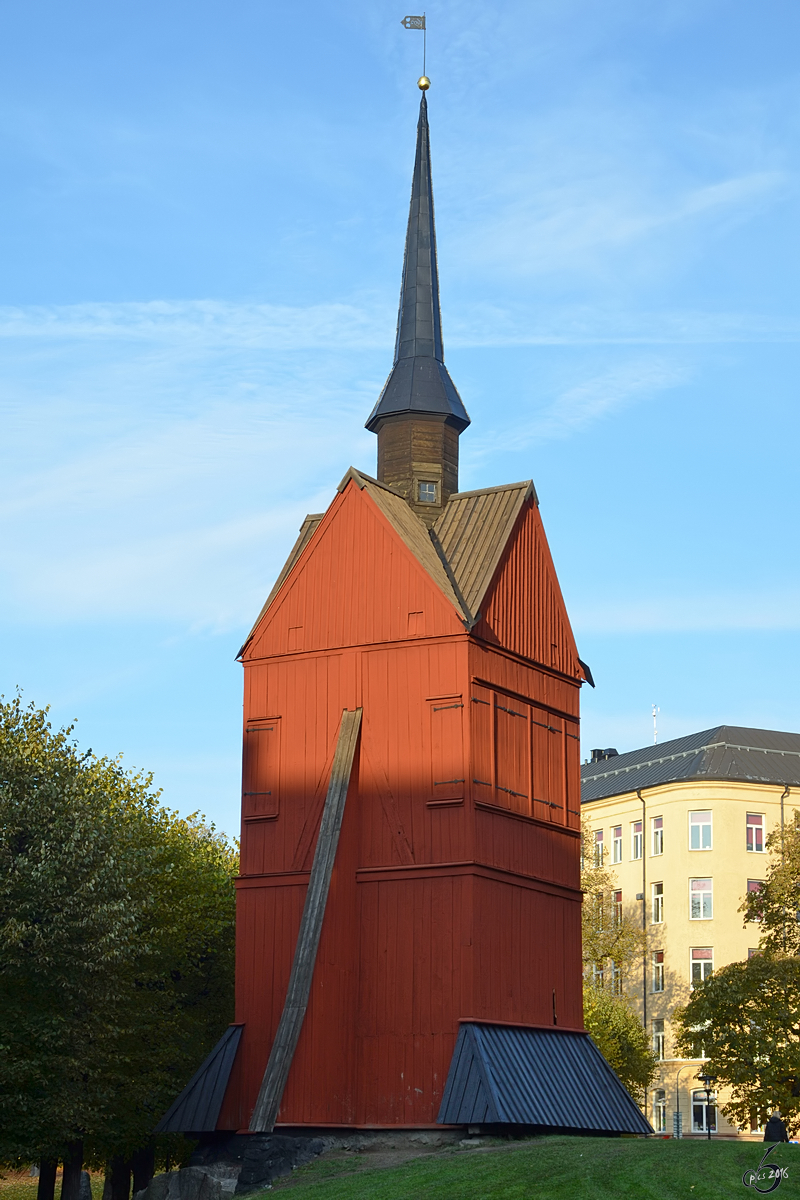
{"x": 419, "y": 382}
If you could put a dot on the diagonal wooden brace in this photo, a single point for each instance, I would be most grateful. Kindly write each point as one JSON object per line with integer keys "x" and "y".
{"x": 270, "y": 1094}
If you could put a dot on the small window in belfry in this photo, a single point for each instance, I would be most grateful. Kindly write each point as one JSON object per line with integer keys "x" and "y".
{"x": 427, "y": 493}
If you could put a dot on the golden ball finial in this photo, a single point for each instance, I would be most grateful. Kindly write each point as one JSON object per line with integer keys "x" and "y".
{"x": 423, "y": 83}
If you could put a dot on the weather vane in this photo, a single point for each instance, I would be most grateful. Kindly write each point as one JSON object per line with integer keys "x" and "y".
{"x": 423, "y": 83}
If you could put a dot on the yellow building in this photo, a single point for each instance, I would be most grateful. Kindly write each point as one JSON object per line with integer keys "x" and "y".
{"x": 683, "y": 827}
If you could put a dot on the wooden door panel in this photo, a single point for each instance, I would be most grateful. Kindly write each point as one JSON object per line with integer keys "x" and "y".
{"x": 512, "y": 754}
{"x": 261, "y": 769}
{"x": 446, "y": 722}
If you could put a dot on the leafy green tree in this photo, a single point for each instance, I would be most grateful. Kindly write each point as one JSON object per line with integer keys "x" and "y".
{"x": 777, "y": 904}
{"x": 745, "y": 1019}
{"x": 116, "y": 948}
{"x": 621, "y": 1039}
{"x": 610, "y": 938}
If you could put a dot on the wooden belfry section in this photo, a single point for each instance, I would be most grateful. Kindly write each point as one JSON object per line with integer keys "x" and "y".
{"x": 410, "y": 797}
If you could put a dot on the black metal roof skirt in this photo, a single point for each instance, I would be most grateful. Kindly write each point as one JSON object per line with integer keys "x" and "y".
{"x": 197, "y": 1108}
{"x": 555, "y": 1080}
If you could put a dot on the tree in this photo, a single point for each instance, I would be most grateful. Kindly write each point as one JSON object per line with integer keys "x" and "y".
{"x": 777, "y": 904}
{"x": 745, "y": 1020}
{"x": 746, "y": 1017}
{"x": 611, "y": 937}
{"x": 620, "y": 1038}
{"x": 116, "y": 947}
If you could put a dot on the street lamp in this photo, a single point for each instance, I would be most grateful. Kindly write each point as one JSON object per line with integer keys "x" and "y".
{"x": 677, "y": 1122}
{"x": 707, "y": 1081}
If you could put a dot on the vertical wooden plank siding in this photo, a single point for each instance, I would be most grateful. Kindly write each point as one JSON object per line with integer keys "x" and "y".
{"x": 525, "y": 611}
{"x": 449, "y": 898}
{"x": 305, "y": 955}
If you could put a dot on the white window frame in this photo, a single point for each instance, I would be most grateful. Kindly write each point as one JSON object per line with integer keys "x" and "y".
{"x": 660, "y": 1110}
{"x": 636, "y": 840}
{"x": 656, "y": 904}
{"x": 751, "y": 891}
{"x": 656, "y": 836}
{"x": 657, "y": 965}
{"x": 698, "y": 1100}
{"x": 617, "y": 843}
{"x": 706, "y": 965}
{"x": 658, "y": 1036}
{"x": 706, "y": 908}
{"x": 617, "y": 907}
{"x": 748, "y": 826}
{"x": 598, "y": 848}
{"x": 700, "y": 826}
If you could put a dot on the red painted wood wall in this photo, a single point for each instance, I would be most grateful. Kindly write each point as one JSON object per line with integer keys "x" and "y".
{"x": 455, "y": 888}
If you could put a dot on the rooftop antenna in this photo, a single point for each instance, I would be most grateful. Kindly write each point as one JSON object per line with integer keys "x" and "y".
{"x": 419, "y": 23}
{"x": 656, "y": 711}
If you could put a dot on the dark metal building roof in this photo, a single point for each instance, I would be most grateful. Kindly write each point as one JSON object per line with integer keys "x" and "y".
{"x": 551, "y": 1079}
{"x": 419, "y": 381}
{"x": 197, "y": 1108}
{"x": 725, "y": 752}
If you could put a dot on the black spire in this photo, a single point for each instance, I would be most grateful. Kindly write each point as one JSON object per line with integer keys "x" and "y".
{"x": 419, "y": 383}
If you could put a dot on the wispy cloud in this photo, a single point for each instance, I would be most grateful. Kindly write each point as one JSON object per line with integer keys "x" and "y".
{"x": 583, "y": 404}
{"x": 695, "y": 612}
{"x": 198, "y": 327}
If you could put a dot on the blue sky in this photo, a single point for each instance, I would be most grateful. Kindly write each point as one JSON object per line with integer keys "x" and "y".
{"x": 201, "y": 228}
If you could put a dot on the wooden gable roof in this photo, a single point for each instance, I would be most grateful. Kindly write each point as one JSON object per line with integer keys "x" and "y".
{"x": 357, "y": 576}
{"x": 487, "y": 554}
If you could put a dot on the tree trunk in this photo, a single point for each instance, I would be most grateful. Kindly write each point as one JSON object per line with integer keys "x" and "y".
{"x": 47, "y": 1179}
{"x": 73, "y": 1165}
{"x": 143, "y": 1163}
{"x": 118, "y": 1179}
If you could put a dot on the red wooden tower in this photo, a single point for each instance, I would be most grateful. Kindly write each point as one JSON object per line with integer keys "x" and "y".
{"x": 411, "y": 781}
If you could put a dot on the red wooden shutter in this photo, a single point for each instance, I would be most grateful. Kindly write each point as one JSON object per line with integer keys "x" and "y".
{"x": 447, "y": 748}
{"x": 557, "y": 771}
{"x": 261, "y": 769}
{"x": 512, "y": 754}
{"x": 481, "y": 770}
{"x": 572, "y": 774}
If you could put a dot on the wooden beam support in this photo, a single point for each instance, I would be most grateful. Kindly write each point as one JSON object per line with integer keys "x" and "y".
{"x": 270, "y": 1094}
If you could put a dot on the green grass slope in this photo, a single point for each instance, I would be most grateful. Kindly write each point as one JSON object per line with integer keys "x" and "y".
{"x": 557, "y": 1168}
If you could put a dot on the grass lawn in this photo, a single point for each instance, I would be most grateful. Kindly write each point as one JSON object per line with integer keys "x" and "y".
{"x": 18, "y": 1185}
{"x": 557, "y": 1168}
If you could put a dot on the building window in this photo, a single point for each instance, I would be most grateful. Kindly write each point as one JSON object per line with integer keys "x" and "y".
{"x": 704, "y": 1111}
{"x": 657, "y": 914}
{"x": 698, "y": 1042}
{"x": 598, "y": 974}
{"x": 700, "y": 831}
{"x": 658, "y": 835}
{"x": 617, "y": 833}
{"x": 598, "y": 847}
{"x": 660, "y": 1111}
{"x": 617, "y": 908}
{"x": 658, "y": 970}
{"x": 753, "y": 951}
{"x": 658, "y": 1039}
{"x": 755, "y": 885}
{"x": 701, "y": 894}
{"x": 755, "y": 833}
{"x": 426, "y": 492}
{"x": 636, "y": 839}
{"x": 702, "y": 964}
{"x": 616, "y": 979}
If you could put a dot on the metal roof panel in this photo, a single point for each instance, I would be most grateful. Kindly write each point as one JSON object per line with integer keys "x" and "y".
{"x": 551, "y": 1079}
